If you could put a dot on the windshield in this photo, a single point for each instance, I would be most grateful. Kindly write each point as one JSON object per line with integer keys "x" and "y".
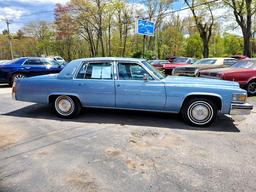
{"x": 245, "y": 64}
{"x": 205, "y": 62}
{"x": 154, "y": 70}
{"x": 180, "y": 60}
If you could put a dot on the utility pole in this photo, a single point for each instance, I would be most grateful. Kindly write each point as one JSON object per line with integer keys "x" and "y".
{"x": 7, "y": 21}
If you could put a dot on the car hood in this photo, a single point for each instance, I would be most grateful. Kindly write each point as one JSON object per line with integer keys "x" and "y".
{"x": 198, "y": 81}
{"x": 223, "y": 70}
{"x": 201, "y": 66}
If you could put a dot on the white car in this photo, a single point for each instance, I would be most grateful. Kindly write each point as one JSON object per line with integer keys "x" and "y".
{"x": 59, "y": 59}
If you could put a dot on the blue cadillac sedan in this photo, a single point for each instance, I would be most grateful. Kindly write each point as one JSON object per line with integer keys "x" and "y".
{"x": 132, "y": 84}
{"x": 27, "y": 67}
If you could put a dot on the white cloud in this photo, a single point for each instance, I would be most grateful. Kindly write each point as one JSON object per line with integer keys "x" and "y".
{"x": 39, "y": 1}
{"x": 11, "y": 13}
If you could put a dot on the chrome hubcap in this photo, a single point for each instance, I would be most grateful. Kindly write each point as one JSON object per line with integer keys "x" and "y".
{"x": 64, "y": 105}
{"x": 252, "y": 88}
{"x": 200, "y": 112}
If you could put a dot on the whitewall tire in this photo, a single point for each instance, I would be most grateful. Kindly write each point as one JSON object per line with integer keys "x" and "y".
{"x": 199, "y": 111}
{"x": 66, "y": 106}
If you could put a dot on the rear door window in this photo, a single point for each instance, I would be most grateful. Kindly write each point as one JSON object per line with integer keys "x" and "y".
{"x": 96, "y": 71}
{"x": 33, "y": 62}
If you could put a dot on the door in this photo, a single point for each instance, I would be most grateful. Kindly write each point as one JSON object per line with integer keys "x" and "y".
{"x": 33, "y": 67}
{"x": 95, "y": 84}
{"x": 133, "y": 92}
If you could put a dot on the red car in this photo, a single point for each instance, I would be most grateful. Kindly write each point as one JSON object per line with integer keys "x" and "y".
{"x": 167, "y": 66}
{"x": 243, "y": 72}
{"x": 177, "y": 62}
{"x": 158, "y": 63}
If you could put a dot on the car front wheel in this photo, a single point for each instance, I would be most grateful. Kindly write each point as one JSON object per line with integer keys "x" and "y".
{"x": 199, "y": 112}
{"x": 66, "y": 106}
{"x": 251, "y": 88}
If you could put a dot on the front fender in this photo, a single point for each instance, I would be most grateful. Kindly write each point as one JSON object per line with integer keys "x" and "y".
{"x": 205, "y": 94}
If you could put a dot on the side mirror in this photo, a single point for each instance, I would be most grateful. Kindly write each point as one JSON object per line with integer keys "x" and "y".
{"x": 145, "y": 77}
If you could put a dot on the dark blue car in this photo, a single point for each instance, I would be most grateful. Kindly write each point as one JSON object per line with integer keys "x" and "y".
{"x": 27, "y": 67}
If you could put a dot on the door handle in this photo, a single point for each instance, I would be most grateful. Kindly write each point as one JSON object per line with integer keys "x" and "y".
{"x": 118, "y": 85}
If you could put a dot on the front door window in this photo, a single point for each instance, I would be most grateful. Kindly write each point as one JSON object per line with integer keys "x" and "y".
{"x": 132, "y": 71}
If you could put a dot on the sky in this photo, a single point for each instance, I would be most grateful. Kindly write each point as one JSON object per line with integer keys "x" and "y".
{"x": 21, "y": 12}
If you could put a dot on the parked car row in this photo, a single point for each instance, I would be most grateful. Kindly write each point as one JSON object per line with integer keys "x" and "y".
{"x": 207, "y": 63}
{"x": 243, "y": 72}
{"x": 237, "y": 68}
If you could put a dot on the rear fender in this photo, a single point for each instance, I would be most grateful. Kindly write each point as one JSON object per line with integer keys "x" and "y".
{"x": 63, "y": 93}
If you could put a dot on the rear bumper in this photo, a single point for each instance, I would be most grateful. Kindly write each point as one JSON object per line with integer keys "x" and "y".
{"x": 241, "y": 109}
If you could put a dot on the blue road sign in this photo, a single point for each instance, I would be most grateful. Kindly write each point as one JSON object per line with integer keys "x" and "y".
{"x": 144, "y": 27}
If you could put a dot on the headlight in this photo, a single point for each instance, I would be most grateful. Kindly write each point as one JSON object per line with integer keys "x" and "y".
{"x": 239, "y": 98}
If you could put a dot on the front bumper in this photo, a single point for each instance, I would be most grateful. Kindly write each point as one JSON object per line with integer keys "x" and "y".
{"x": 241, "y": 109}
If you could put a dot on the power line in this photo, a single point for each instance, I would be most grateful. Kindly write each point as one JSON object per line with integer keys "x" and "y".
{"x": 166, "y": 13}
{"x": 185, "y": 8}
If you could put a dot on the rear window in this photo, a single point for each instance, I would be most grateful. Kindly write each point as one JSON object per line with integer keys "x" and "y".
{"x": 205, "y": 62}
{"x": 229, "y": 62}
{"x": 180, "y": 60}
{"x": 245, "y": 64}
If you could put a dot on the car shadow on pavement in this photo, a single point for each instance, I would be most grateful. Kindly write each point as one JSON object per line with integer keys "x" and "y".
{"x": 125, "y": 117}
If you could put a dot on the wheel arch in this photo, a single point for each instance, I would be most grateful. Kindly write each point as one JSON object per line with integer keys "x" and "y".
{"x": 11, "y": 74}
{"x": 251, "y": 79}
{"x": 214, "y": 97}
{"x": 53, "y": 96}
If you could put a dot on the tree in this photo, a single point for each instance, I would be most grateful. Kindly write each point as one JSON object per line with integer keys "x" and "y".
{"x": 42, "y": 32}
{"x": 156, "y": 11}
{"x": 233, "y": 44}
{"x": 193, "y": 46}
{"x": 65, "y": 30}
{"x": 204, "y": 21}
{"x": 243, "y": 11}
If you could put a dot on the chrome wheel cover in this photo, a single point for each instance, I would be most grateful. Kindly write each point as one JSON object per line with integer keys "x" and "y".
{"x": 200, "y": 112}
{"x": 252, "y": 88}
{"x": 64, "y": 105}
{"x": 18, "y": 76}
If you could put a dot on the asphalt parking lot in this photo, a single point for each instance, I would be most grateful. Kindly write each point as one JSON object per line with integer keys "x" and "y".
{"x": 108, "y": 150}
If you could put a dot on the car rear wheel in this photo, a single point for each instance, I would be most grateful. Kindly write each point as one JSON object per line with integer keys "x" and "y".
{"x": 66, "y": 106}
{"x": 15, "y": 77}
{"x": 199, "y": 112}
{"x": 251, "y": 88}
